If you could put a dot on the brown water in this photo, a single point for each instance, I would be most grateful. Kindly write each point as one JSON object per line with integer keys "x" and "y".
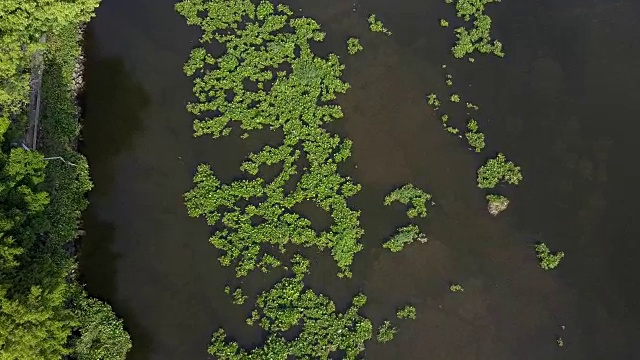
{"x": 561, "y": 104}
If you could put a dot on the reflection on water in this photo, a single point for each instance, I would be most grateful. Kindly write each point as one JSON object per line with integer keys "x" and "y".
{"x": 561, "y": 104}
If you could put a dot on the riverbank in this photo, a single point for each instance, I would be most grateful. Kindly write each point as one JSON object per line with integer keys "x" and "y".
{"x": 44, "y": 311}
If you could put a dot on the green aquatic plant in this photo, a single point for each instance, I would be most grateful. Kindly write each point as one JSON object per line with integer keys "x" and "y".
{"x": 559, "y": 341}
{"x": 548, "y": 260}
{"x": 354, "y": 46}
{"x": 403, "y": 236}
{"x": 454, "y": 98}
{"x": 386, "y": 332}
{"x": 432, "y": 99}
{"x": 294, "y": 93}
{"x": 238, "y": 296}
{"x": 477, "y": 36}
{"x": 409, "y": 194}
{"x": 449, "y": 82}
{"x": 472, "y": 106}
{"x": 497, "y": 170}
{"x": 474, "y": 137}
{"x": 376, "y": 25}
{"x": 452, "y": 130}
{"x": 289, "y": 305}
{"x": 444, "y": 119}
{"x": 497, "y": 204}
{"x": 444, "y": 23}
{"x": 406, "y": 312}
{"x": 456, "y": 288}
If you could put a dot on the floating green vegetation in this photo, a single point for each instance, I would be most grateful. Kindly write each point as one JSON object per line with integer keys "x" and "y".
{"x": 386, "y": 332}
{"x": 238, "y": 296}
{"x": 268, "y": 77}
{"x": 406, "y": 312}
{"x": 496, "y": 170}
{"x": 449, "y": 82}
{"x": 497, "y": 204}
{"x": 559, "y": 341}
{"x": 477, "y": 35}
{"x": 444, "y": 23}
{"x": 432, "y": 99}
{"x": 548, "y": 260}
{"x": 409, "y": 194}
{"x": 472, "y": 106}
{"x": 289, "y": 305}
{"x": 474, "y": 136}
{"x": 404, "y": 236}
{"x": 452, "y": 130}
{"x": 376, "y": 25}
{"x": 454, "y": 98}
{"x": 444, "y": 119}
{"x": 456, "y": 288}
{"x": 354, "y": 46}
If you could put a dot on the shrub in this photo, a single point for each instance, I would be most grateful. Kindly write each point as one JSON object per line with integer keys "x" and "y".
{"x": 548, "y": 260}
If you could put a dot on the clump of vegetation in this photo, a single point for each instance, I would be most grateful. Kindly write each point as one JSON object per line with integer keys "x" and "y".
{"x": 403, "y": 236}
{"x": 298, "y": 102}
{"x": 432, "y": 99}
{"x": 472, "y": 106}
{"x": 474, "y": 136}
{"x": 497, "y": 204}
{"x": 548, "y": 260}
{"x": 477, "y": 36}
{"x": 496, "y": 170}
{"x": 452, "y": 130}
{"x": 454, "y": 98}
{"x": 288, "y": 305}
{"x": 444, "y": 23}
{"x": 406, "y": 312}
{"x": 238, "y": 296}
{"x": 444, "y": 119}
{"x": 559, "y": 341}
{"x": 386, "y": 332}
{"x": 353, "y": 46}
{"x": 449, "y": 82}
{"x": 409, "y": 194}
{"x": 456, "y": 288}
{"x": 376, "y": 25}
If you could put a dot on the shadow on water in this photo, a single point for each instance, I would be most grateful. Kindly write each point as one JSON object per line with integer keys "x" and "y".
{"x": 111, "y": 119}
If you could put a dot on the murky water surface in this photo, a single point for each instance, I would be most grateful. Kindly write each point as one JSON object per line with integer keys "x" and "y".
{"x": 562, "y": 104}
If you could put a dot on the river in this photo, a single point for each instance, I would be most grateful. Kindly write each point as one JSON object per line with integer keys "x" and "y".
{"x": 561, "y": 104}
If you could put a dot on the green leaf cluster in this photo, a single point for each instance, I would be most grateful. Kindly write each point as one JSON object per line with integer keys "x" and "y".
{"x": 403, "y": 236}
{"x": 376, "y": 25}
{"x": 498, "y": 170}
{"x": 477, "y": 36}
{"x": 288, "y": 305}
{"x": 354, "y": 46}
{"x": 474, "y": 136}
{"x": 548, "y": 260}
{"x": 406, "y": 312}
{"x": 456, "y": 288}
{"x": 268, "y": 77}
{"x": 386, "y": 332}
{"x": 410, "y": 194}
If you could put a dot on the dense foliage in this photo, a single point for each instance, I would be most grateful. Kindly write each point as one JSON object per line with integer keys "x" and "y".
{"x": 353, "y": 46}
{"x": 288, "y": 305}
{"x": 386, "y": 332}
{"x": 403, "y": 236}
{"x": 496, "y": 170}
{"x": 268, "y": 77}
{"x": 406, "y": 312}
{"x": 376, "y": 25}
{"x": 476, "y": 36}
{"x": 548, "y": 260}
{"x": 409, "y": 194}
{"x": 456, "y": 288}
{"x": 474, "y": 136}
{"x": 44, "y": 313}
